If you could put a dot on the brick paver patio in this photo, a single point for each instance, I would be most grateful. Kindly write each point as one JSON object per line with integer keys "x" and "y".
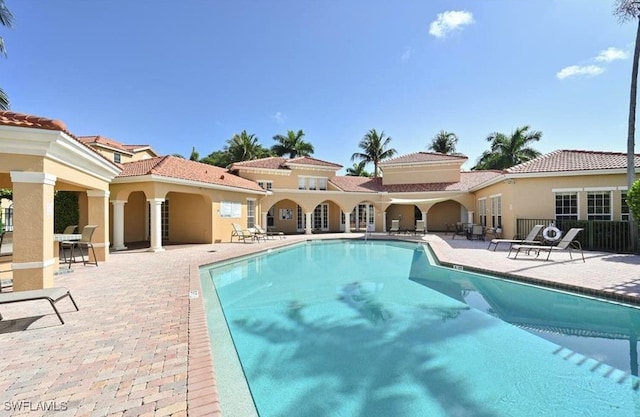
{"x": 139, "y": 345}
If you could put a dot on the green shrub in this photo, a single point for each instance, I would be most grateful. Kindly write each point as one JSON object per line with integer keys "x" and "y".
{"x": 66, "y": 210}
{"x": 633, "y": 200}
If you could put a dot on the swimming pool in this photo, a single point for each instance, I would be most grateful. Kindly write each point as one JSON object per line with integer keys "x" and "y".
{"x": 355, "y": 328}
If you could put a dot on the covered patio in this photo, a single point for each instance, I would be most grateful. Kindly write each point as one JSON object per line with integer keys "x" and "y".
{"x": 39, "y": 157}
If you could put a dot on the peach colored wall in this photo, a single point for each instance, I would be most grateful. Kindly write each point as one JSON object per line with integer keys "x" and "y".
{"x": 441, "y": 214}
{"x": 189, "y": 218}
{"x": 408, "y": 220}
{"x": 286, "y": 226}
{"x": 421, "y": 174}
{"x": 289, "y": 181}
{"x": 135, "y": 217}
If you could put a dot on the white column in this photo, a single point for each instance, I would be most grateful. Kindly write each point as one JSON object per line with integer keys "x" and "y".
{"x": 424, "y": 219}
{"x": 264, "y": 220}
{"x": 470, "y": 217}
{"x": 347, "y": 222}
{"x": 308, "y": 228}
{"x": 156, "y": 225}
{"x": 384, "y": 221}
{"x": 118, "y": 224}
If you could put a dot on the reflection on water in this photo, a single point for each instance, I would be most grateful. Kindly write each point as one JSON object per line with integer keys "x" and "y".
{"x": 605, "y": 331}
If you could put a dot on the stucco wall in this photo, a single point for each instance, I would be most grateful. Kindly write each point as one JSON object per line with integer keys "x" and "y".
{"x": 421, "y": 174}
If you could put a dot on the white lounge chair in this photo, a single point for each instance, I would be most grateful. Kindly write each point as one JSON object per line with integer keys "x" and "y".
{"x": 395, "y": 226}
{"x": 241, "y": 233}
{"x": 530, "y": 239}
{"x": 566, "y": 243}
{"x": 420, "y": 228}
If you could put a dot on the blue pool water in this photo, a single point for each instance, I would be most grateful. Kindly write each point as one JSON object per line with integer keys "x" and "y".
{"x": 354, "y": 328}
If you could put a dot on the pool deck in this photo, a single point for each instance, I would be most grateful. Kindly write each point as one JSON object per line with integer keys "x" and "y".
{"x": 139, "y": 345}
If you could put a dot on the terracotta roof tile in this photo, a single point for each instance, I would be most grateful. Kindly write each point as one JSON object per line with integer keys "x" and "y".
{"x": 307, "y": 160}
{"x": 101, "y": 140}
{"x": 468, "y": 180}
{"x": 278, "y": 162}
{"x": 9, "y": 118}
{"x": 273, "y": 162}
{"x": 418, "y": 157}
{"x": 179, "y": 168}
{"x": 358, "y": 184}
{"x": 573, "y": 160}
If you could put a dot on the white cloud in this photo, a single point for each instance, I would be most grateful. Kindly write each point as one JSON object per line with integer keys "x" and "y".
{"x": 611, "y": 54}
{"x": 406, "y": 53}
{"x": 575, "y": 70}
{"x": 449, "y": 21}
{"x": 279, "y": 118}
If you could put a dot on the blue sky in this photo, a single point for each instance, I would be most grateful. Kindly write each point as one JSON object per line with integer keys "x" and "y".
{"x": 179, "y": 74}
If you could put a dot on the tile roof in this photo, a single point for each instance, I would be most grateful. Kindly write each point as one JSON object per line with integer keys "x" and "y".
{"x": 419, "y": 157}
{"x": 468, "y": 180}
{"x": 179, "y": 168}
{"x": 573, "y": 160}
{"x": 307, "y": 160}
{"x": 278, "y": 162}
{"x": 273, "y": 162}
{"x": 9, "y": 118}
{"x": 358, "y": 184}
{"x": 101, "y": 140}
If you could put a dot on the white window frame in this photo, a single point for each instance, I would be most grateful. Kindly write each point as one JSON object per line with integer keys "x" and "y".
{"x": 609, "y": 214}
{"x": 495, "y": 203}
{"x": 625, "y": 216}
{"x": 482, "y": 211}
{"x": 555, "y": 205}
{"x": 307, "y": 182}
{"x": 117, "y": 157}
{"x": 251, "y": 212}
{"x": 265, "y": 184}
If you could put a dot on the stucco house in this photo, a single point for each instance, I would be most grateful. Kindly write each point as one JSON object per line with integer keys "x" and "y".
{"x": 133, "y": 194}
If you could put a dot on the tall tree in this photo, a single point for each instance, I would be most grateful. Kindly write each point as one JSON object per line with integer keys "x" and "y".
{"x": 358, "y": 170}
{"x": 627, "y": 10}
{"x": 6, "y": 19}
{"x": 375, "y": 148}
{"x": 195, "y": 156}
{"x": 292, "y": 144}
{"x": 444, "y": 142}
{"x": 507, "y": 151}
{"x": 245, "y": 147}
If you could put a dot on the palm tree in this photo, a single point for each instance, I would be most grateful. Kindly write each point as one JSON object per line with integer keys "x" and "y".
{"x": 507, "y": 151}
{"x": 444, "y": 142}
{"x": 6, "y": 19}
{"x": 374, "y": 149}
{"x": 292, "y": 144}
{"x": 358, "y": 170}
{"x": 627, "y": 10}
{"x": 245, "y": 147}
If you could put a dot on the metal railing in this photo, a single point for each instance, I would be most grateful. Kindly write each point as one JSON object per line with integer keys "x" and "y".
{"x": 600, "y": 235}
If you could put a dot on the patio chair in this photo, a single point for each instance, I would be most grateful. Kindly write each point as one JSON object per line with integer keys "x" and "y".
{"x": 530, "y": 239}
{"x": 476, "y": 232}
{"x": 461, "y": 229}
{"x": 420, "y": 229}
{"x": 268, "y": 233}
{"x": 241, "y": 233}
{"x": 69, "y": 230}
{"x": 84, "y": 242}
{"x": 566, "y": 243}
{"x": 395, "y": 226}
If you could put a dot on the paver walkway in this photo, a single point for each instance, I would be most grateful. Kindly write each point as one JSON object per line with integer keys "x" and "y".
{"x": 139, "y": 344}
